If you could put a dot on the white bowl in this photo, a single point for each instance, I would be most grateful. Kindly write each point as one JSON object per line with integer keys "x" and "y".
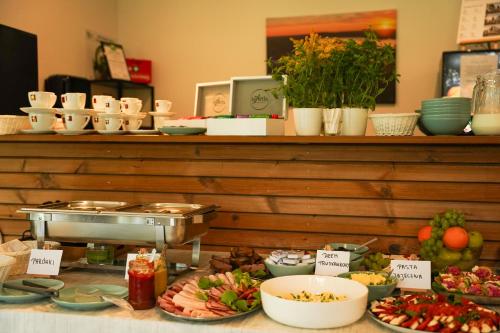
{"x": 313, "y": 314}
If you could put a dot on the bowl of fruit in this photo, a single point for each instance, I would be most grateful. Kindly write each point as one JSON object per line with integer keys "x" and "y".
{"x": 446, "y": 242}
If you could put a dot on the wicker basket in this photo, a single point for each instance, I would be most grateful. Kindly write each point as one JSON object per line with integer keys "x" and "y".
{"x": 6, "y": 263}
{"x": 23, "y": 257}
{"x": 12, "y": 124}
{"x": 399, "y": 124}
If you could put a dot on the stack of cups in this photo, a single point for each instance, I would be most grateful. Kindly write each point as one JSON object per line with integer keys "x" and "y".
{"x": 131, "y": 111}
{"x": 42, "y": 116}
{"x": 162, "y": 113}
{"x": 112, "y": 115}
{"x": 75, "y": 117}
{"x": 98, "y": 103}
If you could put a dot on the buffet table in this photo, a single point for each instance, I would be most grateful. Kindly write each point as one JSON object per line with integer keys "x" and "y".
{"x": 47, "y": 317}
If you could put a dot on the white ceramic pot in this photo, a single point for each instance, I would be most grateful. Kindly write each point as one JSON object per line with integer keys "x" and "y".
{"x": 308, "y": 121}
{"x": 354, "y": 121}
{"x": 331, "y": 120}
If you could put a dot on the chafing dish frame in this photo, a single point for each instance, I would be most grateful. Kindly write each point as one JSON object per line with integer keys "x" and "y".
{"x": 168, "y": 228}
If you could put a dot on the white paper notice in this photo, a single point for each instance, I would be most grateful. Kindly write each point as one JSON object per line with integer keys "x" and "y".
{"x": 332, "y": 262}
{"x": 412, "y": 274}
{"x": 479, "y": 21}
{"x": 473, "y": 65}
{"x": 130, "y": 257}
{"x": 45, "y": 262}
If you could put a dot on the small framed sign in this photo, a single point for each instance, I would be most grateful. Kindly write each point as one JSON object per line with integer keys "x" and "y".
{"x": 212, "y": 99}
{"x": 117, "y": 64}
{"x": 254, "y": 95}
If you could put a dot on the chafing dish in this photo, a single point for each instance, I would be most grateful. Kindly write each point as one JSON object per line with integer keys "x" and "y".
{"x": 115, "y": 222}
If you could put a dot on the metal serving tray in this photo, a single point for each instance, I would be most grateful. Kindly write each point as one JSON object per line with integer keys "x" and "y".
{"x": 115, "y": 222}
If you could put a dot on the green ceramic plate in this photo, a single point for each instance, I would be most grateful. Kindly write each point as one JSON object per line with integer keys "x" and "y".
{"x": 178, "y": 130}
{"x": 18, "y": 296}
{"x": 86, "y": 297}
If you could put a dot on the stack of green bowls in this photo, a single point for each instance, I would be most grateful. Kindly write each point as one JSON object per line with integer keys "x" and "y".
{"x": 445, "y": 116}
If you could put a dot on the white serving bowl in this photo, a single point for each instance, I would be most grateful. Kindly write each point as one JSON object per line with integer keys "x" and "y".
{"x": 313, "y": 314}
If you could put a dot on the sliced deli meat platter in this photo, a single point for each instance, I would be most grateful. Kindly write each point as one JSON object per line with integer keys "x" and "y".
{"x": 212, "y": 297}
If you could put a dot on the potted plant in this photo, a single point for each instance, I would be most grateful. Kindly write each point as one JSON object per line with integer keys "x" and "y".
{"x": 367, "y": 69}
{"x": 301, "y": 83}
{"x": 324, "y": 78}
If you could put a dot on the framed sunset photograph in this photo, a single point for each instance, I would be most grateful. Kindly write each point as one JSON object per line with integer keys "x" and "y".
{"x": 348, "y": 25}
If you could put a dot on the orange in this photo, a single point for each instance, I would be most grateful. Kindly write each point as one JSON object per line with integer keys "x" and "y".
{"x": 456, "y": 238}
{"x": 424, "y": 233}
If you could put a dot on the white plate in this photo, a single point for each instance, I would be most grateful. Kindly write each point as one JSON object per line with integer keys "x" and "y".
{"x": 33, "y": 131}
{"x": 144, "y": 132}
{"x": 162, "y": 114}
{"x": 38, "y": 110}
{"x": 108, "y": 132}
{"x": 80, "y": 111}
{"x": 75, "y": 132}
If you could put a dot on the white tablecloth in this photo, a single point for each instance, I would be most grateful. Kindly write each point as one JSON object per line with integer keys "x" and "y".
{"x": 47, "y": 317}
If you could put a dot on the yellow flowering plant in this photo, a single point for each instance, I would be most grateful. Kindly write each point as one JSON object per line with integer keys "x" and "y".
{"x": 329, "y": 72}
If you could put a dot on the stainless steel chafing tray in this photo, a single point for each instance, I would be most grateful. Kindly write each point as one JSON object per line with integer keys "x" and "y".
{"x": 115, "y": 222}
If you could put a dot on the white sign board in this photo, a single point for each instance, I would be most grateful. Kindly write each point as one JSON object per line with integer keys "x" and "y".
{"x": 332, "y": 262}
{"x": 412, "y": 274}
{"x": 45, "y": 262}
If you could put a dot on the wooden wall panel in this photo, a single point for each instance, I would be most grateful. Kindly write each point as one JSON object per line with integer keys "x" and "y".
{"x": 272, "y": 192}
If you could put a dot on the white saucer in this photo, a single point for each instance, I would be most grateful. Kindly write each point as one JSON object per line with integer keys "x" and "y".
{"x": 79, "y": 111}
{"x": 33, "y": 131}
{"x": 139, "y": 115}
{"x": 111, "y": 132}
{"x": 162, "y": 114}
{"x": 38, "y": 110}
{"x": 144, "y": 132}
{"x": 111, "y": 115}
{"x": 75, "y": 132}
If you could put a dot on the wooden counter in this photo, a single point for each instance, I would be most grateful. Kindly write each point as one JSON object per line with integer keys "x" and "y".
{"x": 274, "y": 192}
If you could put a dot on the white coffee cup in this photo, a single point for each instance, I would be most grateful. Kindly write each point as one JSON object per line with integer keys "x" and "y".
{"x": 73, "y": 100}
{"x": 98, "y": 121}
{"x": 42, "y": 99}
{"x": 99, "y": 101}
{"x": 113, "y": 123}
{"x": 42, "y": 121}
{"x": 162, "y": 105}
{"x": 75, "y": 121}
{"x": 132, "y": 123}
{"x": 112, "y": 106}
{"x": 131, "y": 107}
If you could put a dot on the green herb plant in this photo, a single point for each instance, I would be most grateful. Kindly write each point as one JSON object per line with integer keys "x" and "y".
{"x": 333, "y": 73}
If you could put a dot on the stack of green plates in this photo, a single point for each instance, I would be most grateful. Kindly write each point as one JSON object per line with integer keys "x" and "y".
{"x": 445, "y": 116}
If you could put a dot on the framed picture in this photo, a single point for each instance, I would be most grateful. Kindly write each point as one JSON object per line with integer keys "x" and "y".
{"x": 253, "y": 95}
{"x": 212, "y": 99}
{"x": 115, "y": 58}
{"x": 279, "y": 30}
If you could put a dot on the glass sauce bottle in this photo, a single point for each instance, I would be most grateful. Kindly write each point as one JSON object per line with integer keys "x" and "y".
{"x": 141, "y": 284}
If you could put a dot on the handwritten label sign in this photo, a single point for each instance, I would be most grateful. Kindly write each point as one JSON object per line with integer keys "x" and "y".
{"x": 412, "y": 274}
{"x": 332, "y": 262}
{"x": 45, "y": 262}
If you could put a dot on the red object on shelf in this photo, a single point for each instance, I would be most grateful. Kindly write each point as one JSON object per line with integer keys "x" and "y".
{"x": 139, "y": 70}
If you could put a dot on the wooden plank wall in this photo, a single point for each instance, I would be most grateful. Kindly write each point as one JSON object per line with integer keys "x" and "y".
{"x": 271, "y": 194}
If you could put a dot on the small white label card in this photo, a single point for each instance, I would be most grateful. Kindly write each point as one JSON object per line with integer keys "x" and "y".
{"x": 45, "y": 262}
{"x": 412, "y": 274}
{"x": 130, "y": 257}
{"x": 332, "y": 262}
